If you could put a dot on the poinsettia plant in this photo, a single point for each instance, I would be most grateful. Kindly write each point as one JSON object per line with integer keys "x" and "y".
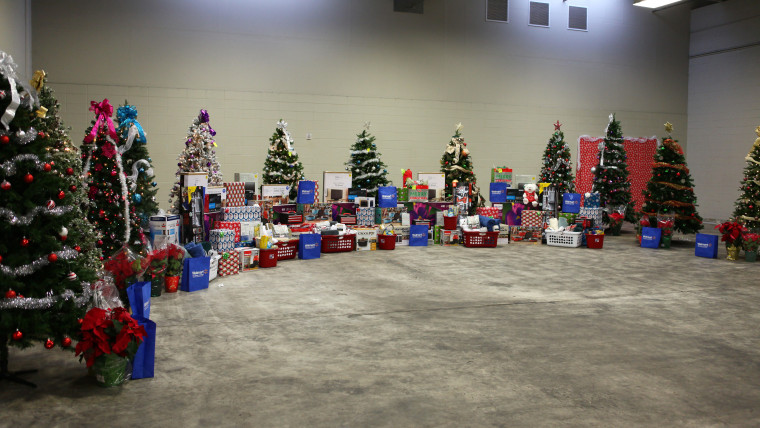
{"x": 108, "y": 331}
{"x": 751, "y": 242}
{"x": 126, "y": 267}
{"x": 666, "y": 226}
{"x": 616, "y": 219}
{"x": 176, "y": 255}
{"x": 731, "y": 232}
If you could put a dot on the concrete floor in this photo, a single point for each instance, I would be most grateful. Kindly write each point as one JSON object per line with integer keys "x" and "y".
{"x": 521, "y": 335}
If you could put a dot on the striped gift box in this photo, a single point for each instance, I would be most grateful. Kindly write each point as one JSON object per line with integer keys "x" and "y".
{"x": 235, "y": 194}
{"x": 231, "y": 225}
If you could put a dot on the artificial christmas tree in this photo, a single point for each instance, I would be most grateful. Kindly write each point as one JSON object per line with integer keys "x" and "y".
{"x": 109, "y": 209}
{"x": 46, "y": 254}
{"x": 456, "y": 163}
{"x": 670, "y": 191}
{"x": 611, "y": 174}
{"x": 747, "y": 210}
{"x": 282, "y": 165}
{"x": 367, "y": 170}
{"x": 557, "y": 168}
{"x": 133, "y": 147}
{"x": 199, "y": 155}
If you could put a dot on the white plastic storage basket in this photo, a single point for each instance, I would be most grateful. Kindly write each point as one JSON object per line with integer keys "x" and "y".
{"x": 213, "y": 268}
{"x": 564, "y": 239}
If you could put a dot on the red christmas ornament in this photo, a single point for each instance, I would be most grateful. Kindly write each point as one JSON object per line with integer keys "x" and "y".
{"x": 52, "y": 257}
{"x": 61, "y": 194}
{"x": 49, "y": 344}
{"x": 5, "y": 139}
{"x": 101, "y": 213}
{"x": 77, "y": 248}
{"x": 17, "y": 335}
{"x": 66, "y": 342}
{"x": 69, "y": 171}
{"x": 28, "y": 178}
{"x": 5, "y": 185}
{"x": 113, "y": 172}
{"x": 73, "y": 188}
{"x": 100, "y": 242}
{"x": 1, "y": 259}
{"x": 41, "y": 134}
{"x": 47, "y": 167}
{"x": 24, "y": 241}
{"x": 80, "y": 320}
{"x": 50, "y": 204}
{"x": 10, "y": 294}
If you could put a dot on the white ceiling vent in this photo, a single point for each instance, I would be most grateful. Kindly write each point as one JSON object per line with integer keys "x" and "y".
{"x": 539, "y": 14}
{"x": 408, "y": 6}
{"x": 578, "y": 18}
{"x": 497, "y": 10}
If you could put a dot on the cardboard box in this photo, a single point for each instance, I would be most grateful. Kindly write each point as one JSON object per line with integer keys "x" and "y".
{"x": 402, "y": 235}
{"x": 164, "y": 229}
{"x": 366, "y": 238}
{"x": 451, "y": 237}
{"x": 213, "y": 198}
{"x": 248, "y": 258}
{"x": 194, "y": 179}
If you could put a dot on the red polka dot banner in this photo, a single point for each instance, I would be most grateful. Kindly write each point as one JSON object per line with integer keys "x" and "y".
{"x": 640, "y": 153}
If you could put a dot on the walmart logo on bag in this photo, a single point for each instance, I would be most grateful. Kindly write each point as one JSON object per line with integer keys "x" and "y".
{"x": 386, "y": 196}
{"x": 199, "y": 273}
{"x": 310, "y": 246}
{"x": 703, "y": 245}
{"x": 418, "y": 235}
{"x": 648, "y": 238}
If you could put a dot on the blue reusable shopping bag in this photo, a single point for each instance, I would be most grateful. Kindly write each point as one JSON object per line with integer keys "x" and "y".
{"x": 139, "y": 299}
{"x": 305, "y": 192}
{"x": 145, "y": 357}
{"x": 418, "y": 235}
{"x": 707, "y": 246}
{"x": 386, "y": 197}
{"x": 650, "y": 237}
{"x": 571, "y": 203}
{"x": 498, "y": 193}
{"x": 309, "y": 246}
{"x": 195, "y": 274}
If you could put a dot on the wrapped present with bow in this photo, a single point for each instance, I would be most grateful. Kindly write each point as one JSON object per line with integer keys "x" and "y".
{"x": 222, "y": 240}
{"x": 591, "y": 200}
{"x": 569, "y": 216}
{"x": 244, "y": 213}
{"x": 489, "y": 212}
{"x": 229, "y": 264}
{"x": 531, "y": 218}
{"x": 235, "y": 194}
{"x": 230, "y": 225}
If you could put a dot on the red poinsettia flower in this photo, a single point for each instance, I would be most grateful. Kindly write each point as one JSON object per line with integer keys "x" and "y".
{"x": 107, "y": 332}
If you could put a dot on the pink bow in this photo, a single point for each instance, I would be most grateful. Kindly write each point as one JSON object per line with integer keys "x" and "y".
{"x": 103, "y": 110}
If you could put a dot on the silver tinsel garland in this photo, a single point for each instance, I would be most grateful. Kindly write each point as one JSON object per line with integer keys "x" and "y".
{"x": 29, "y": 303}
{"x": 25, "y": 270}
{"x": 9, "y": 166}
{"x": 21, "y": 137}
{"x": 27, "y": 219}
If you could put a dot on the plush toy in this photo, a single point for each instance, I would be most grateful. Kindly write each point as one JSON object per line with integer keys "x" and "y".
{"x": 406, "y": 177}
{"x": 530, "y": 198}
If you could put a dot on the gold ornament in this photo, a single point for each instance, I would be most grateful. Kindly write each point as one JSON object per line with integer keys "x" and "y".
{"x": 41, "y": 112}
{"x": 38, "y": 80}
{"x": 668, "y": 127}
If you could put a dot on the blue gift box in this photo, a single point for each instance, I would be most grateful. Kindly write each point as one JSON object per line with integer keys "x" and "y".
{"x": 387, "y": 197}
{"x": 571, "y": 203}
{"x": 145, "y": 357}
{"x": 593, "y": 200}
{"x": 309, "y": 246}
{"x": 418, "y": 235}
{"x": 305, "y": 192}
{"x": 195, "y": 274}
{"x": 139, "y": 299}
{"x": 498, "y": 193}
{"x": 706, "y": 246}
{"x": 650, "y": 237}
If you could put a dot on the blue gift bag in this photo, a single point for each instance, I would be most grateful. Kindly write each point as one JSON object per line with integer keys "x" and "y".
{"x": 195, "y": 274}
{"x": 571, "y": 203}
{"x": 650, "y": 237}
{"x": 139, "y": 299}
{"x": 592, "y": 200}
{"x": 309, "y": 246}
{"x": 145, "y": 357}
{"x": 498, "y": 193}
{"x": 418, "y": 235}
{"x": 305, "y": 192}
{"x": 386, "y": 197}
{"x": 707, "y": 246}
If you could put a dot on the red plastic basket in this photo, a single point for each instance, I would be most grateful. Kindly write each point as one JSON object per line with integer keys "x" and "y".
{"x": 287, "y": 250}
{"x": 480, "y": 239}
{"x": 386, "y": 242}
{"x": 268, "y": 258}
{"x": 338, "y": 243}
{"x": 594, "y": 241}
{"x": 450, "y": 223}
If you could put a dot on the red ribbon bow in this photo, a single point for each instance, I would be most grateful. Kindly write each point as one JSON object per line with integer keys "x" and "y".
{"x": 103, "y": 111}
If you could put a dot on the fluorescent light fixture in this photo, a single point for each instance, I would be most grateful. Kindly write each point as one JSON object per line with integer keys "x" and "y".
{"x": 654, "y": 4}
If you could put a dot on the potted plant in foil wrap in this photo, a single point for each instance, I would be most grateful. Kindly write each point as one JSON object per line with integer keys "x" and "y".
{"x": 731, "y": 233}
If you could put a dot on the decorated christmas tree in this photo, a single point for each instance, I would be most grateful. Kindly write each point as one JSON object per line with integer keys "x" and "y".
{"x": 46, "y": 251}
{"x": 747, "y": 210}
{"x": 137, "y": 163}
{"x": 557, "y": 168}
{"x": 109, "y": 208}
{"x": 670, "y": 191}
{"x": 611, "y": 174}
{"x": 199, "y": 155}
{"x": 456, "y": 163}
{"x": 367, "y": 170}
{"x": 282, "y": 165}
